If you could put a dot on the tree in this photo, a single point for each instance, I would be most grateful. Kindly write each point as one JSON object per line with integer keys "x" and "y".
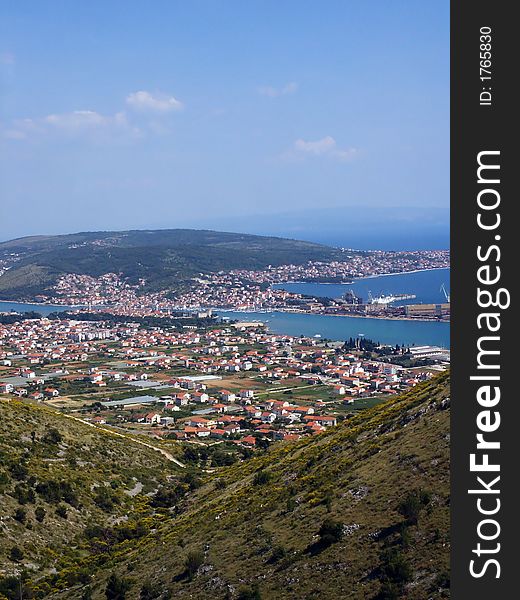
{"x": 116, "y": 587}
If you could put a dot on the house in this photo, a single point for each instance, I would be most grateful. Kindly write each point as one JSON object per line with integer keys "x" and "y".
{"x": 227, "y": 396}
{"x": 230, "y": 429}
{"x": 268, "y": 417}
{"x": 182, "y": 399}
{"x": 200, "y": 397}
{"x": 203, "y": 432}
{"x": 324, "y": 420}
{"x": 51, "y": 392}
{"x": 253, "y": 412}
{"x": 199, "y": 422}
{"x": 152, "y": 418}
{"x": 6, "y": 388}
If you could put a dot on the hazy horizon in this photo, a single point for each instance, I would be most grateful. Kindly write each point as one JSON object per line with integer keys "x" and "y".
{"x": 325, "y": 122}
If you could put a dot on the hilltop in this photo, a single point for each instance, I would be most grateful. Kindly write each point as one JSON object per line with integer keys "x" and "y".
{"x": 163, "y": 258}
{"x": 360, "y": 511}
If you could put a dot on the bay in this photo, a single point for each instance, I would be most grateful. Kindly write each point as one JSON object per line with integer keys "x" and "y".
{"x": 42, "y": 309}
{"x": 385, "y": 331}
{"x": 426, "y": 285}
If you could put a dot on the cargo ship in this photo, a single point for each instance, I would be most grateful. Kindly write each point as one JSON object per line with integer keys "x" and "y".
{"x": 388, "y": 299}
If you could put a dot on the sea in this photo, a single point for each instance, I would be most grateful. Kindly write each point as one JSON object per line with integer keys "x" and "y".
{"x": 426, "y": 285}
{"x": 42, "y": 309}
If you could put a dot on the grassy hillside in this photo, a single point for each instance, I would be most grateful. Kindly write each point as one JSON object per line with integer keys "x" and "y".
{"x": 361, "y": 511}
{"x": 59, "y": 477}
{"x": 162, "y": 257}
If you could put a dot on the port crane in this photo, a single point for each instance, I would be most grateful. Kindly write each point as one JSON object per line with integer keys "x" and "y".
{"x": 446, "y": 294}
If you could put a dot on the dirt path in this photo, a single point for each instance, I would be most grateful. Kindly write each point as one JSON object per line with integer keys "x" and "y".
{"x": 166, "y": 454}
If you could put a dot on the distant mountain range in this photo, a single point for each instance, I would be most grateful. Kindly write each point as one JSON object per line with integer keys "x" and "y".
{"x": 164, "y": 258}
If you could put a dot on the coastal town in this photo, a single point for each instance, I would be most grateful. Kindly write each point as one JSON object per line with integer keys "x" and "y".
{"x": 232, "y": 384}
{"x": 260, "y": 290}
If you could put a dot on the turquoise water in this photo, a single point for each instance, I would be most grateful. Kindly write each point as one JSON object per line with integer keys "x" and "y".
{"x": 426, "y": 285}
{"x": 43, "y": 309}
{"x": 385, "y": 331}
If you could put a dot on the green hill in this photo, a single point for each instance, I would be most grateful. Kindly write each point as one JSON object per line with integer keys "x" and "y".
{"x": 360, "y": 511}
{"x": 164, "y": 258}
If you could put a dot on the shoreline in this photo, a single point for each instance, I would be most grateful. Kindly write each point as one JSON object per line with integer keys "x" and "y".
{"x": 292, "y": 312}
{"x": 354, "y": 280}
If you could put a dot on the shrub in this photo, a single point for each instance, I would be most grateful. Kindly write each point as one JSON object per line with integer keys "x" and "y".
{"x": 52, "y": 436}
{"x": 16, "y": 555}
{"x": 279, "y": 552}
{"x": 330, "y": 532}
{"x": 150, "y": 591}
{"x": 261, "y": 478}
{"x": 19, "y": 471}
{"x": 24, "y": 494}
{"x": 252, "y": 593}
{"x": 54, "y": 491}
{"x": 61, "y": 511}
{"x": 412, "y": 505}
{"x": 20, "y": 515}
{"x": 117, "y": 587}
{"x": 166, "y": 497}
{"x": 105, "y": 498}
{"x": 39, "y": 513}
{"x": 86, "y": 594}
{"x": 194, "y": 560}
{"x": 395, "y": 568}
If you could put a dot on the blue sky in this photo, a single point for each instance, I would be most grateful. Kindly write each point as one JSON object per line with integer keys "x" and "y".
{"x": 254, "y": 116}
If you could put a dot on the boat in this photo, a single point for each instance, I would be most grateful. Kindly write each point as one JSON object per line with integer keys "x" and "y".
{"x": 384, "y": 299}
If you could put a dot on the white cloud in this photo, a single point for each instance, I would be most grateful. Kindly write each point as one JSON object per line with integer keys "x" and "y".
{"x": 318, "y": 147}
{"x": 75, "y": 123}
{"x": 146, "y": 102}
{"x": 94, "y": 125}
{"x": 273, "y": 92}
{"x": 325, "y": 146}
